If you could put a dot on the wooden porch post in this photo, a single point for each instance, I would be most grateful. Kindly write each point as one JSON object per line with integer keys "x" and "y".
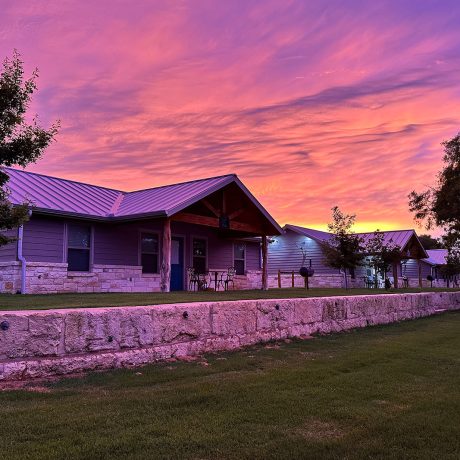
{"x": 165, "y": 271}
{"x": 419, "y": 263}
{"x": 264, "y": 263}
{"x": 395, "y": 275}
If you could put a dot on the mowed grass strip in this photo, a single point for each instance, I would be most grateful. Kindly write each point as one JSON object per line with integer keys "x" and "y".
{"x": 48, "y": 301}
{"x": 381, "y": 392}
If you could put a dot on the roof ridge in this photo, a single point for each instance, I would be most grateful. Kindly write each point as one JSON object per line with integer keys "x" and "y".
{"x": 356, "y": 233}
{"x": 181, "y": 183}
{"x": 63, "y": 179}
{"x": 390, "y": 231}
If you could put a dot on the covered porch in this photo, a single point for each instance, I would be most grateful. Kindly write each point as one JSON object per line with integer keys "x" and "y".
{"x": 216, "y": 242}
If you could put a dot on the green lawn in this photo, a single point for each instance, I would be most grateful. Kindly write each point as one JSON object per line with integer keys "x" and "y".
{"x": 381, "y": 392}
{"x": 18, "y": 302}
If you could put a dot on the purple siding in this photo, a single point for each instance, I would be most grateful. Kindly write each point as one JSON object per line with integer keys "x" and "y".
{"x": 411, "y": 269}
{"x": 253, "y": 256}
{"x": 284, "y": 254}
{"x": 9, "y": 251}
{"x": 43, "y": 239}
{"x": 118, "y": 244}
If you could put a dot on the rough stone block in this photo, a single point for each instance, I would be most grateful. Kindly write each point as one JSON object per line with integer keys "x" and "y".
{"x": 234, "y": 318}
{"x": 181, "y": 323}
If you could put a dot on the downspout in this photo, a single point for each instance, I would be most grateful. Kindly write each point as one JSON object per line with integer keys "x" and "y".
{"x": 21, "y": 257}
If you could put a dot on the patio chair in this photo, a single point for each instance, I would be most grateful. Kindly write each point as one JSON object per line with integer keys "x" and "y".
{"x": 222, "y": 276}
{"x": 202, "y": 281}
{"x": 229, "y": 278}
{"x": 192, "y": 279}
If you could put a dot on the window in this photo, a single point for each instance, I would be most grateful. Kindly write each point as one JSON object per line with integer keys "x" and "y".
{"x": 78, "y": 247}
{"x": 199, "y": 255}
{"x": 239, "y": 258}
{"x": 149, "y": 252}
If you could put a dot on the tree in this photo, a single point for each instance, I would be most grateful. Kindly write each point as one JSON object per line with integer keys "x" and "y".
{"x": 20, "y": 142}
{"x": 440, "y": 205}
{"x": 344, "y": 249}
{"x": 383, "y": 256}
{"x": 428, "y": 242}
{"x": 451, "y": 269}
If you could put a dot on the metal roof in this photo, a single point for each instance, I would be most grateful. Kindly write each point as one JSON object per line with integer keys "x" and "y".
{"x": 436, "y": 256}
{"x": 399, "y": 237}
{"x": 62, "y": 196}
{"x": 170, "y": 198}
{"x": 45, "y": 192}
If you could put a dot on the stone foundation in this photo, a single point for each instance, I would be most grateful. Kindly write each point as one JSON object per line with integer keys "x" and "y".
{"x": 37, "y": 344}
{"x": 316, "y": 281}
{"x": 336, "y": 281}
{"x": 53, "y": 278}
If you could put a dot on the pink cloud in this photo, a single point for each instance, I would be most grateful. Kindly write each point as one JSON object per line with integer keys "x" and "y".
{"x": 311, "y": 104}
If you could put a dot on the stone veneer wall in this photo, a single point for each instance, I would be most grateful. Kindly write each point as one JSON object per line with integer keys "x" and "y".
{"x": 53, "y": 278}
{"x": 52, "y": 342}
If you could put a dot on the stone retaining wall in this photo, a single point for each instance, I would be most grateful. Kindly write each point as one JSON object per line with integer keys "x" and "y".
{"x": 56, "y": 342}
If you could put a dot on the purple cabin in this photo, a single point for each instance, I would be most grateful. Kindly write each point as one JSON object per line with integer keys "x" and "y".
{"x": 285, "y": 258}
{"x": 85, "y": 238}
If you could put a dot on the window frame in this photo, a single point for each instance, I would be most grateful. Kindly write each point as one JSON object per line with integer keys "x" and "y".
{"x": 243, "y": 259}
{"x": 206, "y": 257}
{"x": 140, "y": 252}
{"x": 90, "y": 248}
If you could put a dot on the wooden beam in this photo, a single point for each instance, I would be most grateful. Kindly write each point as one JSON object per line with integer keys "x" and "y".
{"x": 214, "y": 210}
{"x": 214, "y": 222}
{"x": 245, "y": 227}
{"x": 264, "y": 263}
{"x": 196, "y": 219}
{"x": 165, "y": 271}
{"x": 236, "y": 213}
{"x": 224, "y": 202}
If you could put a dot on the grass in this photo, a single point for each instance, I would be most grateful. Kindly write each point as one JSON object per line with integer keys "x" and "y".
{"x": 381, "y": 392}
{"x": 46, "y": 301}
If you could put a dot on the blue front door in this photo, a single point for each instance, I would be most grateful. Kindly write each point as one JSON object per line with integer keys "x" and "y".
{"x": 177, "y": 264}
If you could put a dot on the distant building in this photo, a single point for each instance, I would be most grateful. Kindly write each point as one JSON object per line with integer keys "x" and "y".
{"x": 285, "y": 255}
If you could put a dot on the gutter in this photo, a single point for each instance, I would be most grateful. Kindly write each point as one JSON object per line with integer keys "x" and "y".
{"x": 21, "y": 257}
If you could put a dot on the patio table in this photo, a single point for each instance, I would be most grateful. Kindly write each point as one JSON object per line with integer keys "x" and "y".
{"x": 214, "y": 274}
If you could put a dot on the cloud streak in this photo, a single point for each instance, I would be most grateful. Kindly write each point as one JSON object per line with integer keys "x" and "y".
{"x": 313, "y": 104}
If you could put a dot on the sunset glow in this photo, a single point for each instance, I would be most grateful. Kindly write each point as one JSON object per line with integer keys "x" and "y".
{"x": 312, "y": 104}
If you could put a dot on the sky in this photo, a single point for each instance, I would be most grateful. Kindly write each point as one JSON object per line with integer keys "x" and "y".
{"x": 312, "y": 103}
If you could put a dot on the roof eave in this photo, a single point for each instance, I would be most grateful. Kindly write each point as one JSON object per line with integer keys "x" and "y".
{"x": 107, "y": 218}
